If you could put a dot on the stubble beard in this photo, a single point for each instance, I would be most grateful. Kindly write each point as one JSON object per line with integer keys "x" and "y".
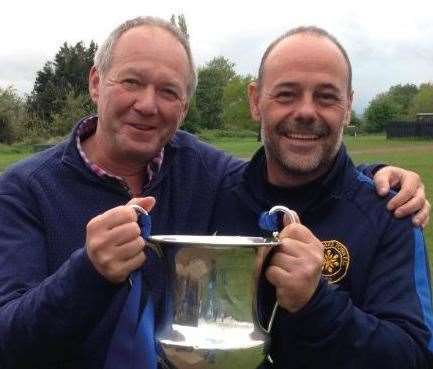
{"x": 293, "y": 165}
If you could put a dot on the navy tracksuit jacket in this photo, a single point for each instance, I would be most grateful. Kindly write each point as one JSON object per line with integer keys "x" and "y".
{"x": 373, "y": 307}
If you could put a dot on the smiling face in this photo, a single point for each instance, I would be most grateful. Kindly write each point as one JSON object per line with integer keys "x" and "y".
{"x": 142, "y": 98}
{"x": 303, "y": 104}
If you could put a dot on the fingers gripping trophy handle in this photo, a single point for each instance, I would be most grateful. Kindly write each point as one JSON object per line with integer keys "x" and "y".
{"x": 145, "y": 223}
{"x": 269, "y": 221}
{"x": 143, "y": 220}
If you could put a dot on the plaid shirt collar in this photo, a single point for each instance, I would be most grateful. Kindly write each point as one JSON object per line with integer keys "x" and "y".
{"x": 86, "y": 128}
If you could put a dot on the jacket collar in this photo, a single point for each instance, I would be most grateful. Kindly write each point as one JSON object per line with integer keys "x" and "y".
{"x": 260, "y": 195}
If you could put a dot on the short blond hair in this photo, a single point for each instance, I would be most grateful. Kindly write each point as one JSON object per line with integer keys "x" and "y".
{"x": 104, "y": 54}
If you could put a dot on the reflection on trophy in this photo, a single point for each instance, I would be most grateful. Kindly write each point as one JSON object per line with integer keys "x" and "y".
{"x": 190, "y": 271}
{"x": 213, "y": 323}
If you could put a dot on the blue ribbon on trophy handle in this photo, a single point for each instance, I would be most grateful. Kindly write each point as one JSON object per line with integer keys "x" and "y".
{"x": 145, "y": 223}
{"x": 133, "y": 343}
{"x": 271, "y": 221}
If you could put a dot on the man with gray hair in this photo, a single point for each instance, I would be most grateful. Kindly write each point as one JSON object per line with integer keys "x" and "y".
{"x": 350, "y": 285}
{"x": 69, "y": 237}
{"x": 68, "y": 242}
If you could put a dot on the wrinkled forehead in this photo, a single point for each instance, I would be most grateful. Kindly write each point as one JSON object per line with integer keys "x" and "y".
{"x": 152, "y": 41}
{"x": 151, "y": 49}
{"x": 308, "y": 54}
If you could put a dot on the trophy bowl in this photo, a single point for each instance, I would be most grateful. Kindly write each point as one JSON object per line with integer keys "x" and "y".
{"x": 212, "y": 314}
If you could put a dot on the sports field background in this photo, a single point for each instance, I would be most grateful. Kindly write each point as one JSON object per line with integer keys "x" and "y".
{"x": 416, "y": 155}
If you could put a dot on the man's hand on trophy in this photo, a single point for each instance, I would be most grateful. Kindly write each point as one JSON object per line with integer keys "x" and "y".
{"x": 296, "y": 267}
{"x": 113, "y": 241}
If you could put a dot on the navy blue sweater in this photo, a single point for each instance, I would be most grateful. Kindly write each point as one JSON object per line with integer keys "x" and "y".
{"x": 375, "y": 311}
{"x": 56, "y": 311}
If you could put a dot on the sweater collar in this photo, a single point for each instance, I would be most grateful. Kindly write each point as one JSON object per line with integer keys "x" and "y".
{"x": 71, "y": 156}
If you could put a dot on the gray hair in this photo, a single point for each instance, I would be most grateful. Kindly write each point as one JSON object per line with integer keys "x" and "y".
{"x": 309, "y": 30}
{"x": 104, "y": 54}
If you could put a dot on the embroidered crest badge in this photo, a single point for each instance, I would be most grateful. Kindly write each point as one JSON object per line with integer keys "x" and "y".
{"x": 336, "y": 261}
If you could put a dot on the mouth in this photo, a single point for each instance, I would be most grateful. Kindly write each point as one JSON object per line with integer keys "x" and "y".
{"x": 141, "y": 127}
{"x": 302, "y": 136}
{"x": 302, "y": 132}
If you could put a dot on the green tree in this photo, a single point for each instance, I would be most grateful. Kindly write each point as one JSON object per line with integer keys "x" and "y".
{"x": 224, "y": 68}
{"x": 67, "y": 72}
{"x": 212, "y": 80}
{"x": 393, "y": 104}
{"x": 192, "y": 120}
{"x": 11, "y": 115}
{"x": 42, "y": 101}
{"x": 180, "y": 22}
{"x": 381, "y": 110}
{"x": 403, "y": 96}
{"x": 355, "y": 120}
{"x": 236, "y": 110}
{"x": 74, "y": 108}
{"x": 72, "y": 66}
{"x": 423, "y": 101}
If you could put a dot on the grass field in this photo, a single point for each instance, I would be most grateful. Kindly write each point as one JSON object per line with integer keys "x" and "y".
{"x": 11, "y": 154}
{"x": 416, "y": 155}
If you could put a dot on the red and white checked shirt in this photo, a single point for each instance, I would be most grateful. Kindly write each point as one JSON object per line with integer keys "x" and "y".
{"x": 87, "y": 128}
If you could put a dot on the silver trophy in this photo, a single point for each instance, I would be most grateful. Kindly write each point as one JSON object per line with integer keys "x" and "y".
{"x": 213, "y": 321}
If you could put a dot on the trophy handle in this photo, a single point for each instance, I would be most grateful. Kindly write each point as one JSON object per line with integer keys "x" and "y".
{"x": 293, "y": 217}
{"x": 145, "y": 223}
{"x": 266, "y": 329}
{"x": 267, "y": 221}
{"x": 272, "y": 318}
{"x": 155, "y": 247}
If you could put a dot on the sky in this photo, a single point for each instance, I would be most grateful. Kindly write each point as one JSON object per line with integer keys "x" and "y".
{"x": 388, "y": 42}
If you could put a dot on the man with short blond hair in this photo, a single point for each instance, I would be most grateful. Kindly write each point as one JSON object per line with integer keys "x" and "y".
{"x": 69, "y": 238}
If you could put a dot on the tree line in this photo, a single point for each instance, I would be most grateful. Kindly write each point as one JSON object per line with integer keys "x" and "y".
{"x": 399, "y": 103}
{"x": 60, "y": 98}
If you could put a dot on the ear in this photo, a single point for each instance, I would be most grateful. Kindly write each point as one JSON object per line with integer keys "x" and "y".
{"x": 94, "y": 81}
{"x": 253, "y": 98}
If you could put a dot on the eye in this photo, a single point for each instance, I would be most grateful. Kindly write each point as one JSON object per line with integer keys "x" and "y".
{"x": 169, "y": 93}
{"x": 327, "y": 98}
{"x": 130, "y": 83}
{"x": 285, "y": 96}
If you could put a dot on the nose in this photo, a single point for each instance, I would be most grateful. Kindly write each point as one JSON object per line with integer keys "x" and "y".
{"x": 306, "y": 110}
{"x": 145, "y": 101}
